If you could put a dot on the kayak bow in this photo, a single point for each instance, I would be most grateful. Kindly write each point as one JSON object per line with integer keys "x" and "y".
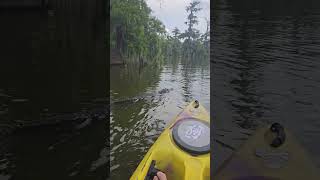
{"x": 270, "y": 154}
{"x": 182, "y": 151}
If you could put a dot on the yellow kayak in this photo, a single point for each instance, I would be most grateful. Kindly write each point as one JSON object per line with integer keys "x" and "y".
{"x": 182, "y": 151}
{"x": 270, "y": 154}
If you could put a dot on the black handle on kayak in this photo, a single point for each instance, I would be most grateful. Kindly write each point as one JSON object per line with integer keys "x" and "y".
{"x": 281, "y": 135}
{"x": 152, "y": 171}
{"x": 196, "y": 104}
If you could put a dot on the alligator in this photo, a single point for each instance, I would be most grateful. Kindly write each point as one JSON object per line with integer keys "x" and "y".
{"x": 165, "y": 90}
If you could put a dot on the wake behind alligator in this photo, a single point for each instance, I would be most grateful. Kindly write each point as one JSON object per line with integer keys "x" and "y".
{"x": 142, "y": 97}
{"x": 97, "y": 109}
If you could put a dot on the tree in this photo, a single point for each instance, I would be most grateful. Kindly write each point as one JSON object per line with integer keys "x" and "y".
{"x": 176, "y": 33}
{"x": 175, "y": 43}
{"x": 191, "y": 33}
{"x": 206, "y": 36}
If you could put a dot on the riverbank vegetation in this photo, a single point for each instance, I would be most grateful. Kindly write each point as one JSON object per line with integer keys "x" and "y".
{"x": 140, "y": 37}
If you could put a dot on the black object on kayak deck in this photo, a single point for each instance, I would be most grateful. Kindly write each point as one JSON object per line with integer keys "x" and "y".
{"x": 152, "y": 171}
{"x": 280, "y": 134}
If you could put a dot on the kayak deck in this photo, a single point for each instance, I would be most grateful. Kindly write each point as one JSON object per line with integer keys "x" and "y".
{"x": 171, "y": 159}
{"x": 256, "y": 159}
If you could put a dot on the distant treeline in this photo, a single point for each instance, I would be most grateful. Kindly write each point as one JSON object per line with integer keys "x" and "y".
{"x": 139, "y": 36}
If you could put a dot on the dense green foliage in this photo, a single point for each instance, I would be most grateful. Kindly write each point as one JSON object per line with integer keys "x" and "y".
{"x": 134, "y": 32}
{"x": 139, "y": 36}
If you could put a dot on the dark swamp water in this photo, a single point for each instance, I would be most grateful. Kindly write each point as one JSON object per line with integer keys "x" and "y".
{"x": 47, "y": 141}
{"x": 265, "y": 68}
{"x": 53, "y": 95}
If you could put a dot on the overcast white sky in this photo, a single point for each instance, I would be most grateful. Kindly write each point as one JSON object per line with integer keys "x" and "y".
{"x": 173, "y": 13}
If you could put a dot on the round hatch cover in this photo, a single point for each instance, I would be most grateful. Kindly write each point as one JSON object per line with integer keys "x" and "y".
{"x": 192, "y": 135}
